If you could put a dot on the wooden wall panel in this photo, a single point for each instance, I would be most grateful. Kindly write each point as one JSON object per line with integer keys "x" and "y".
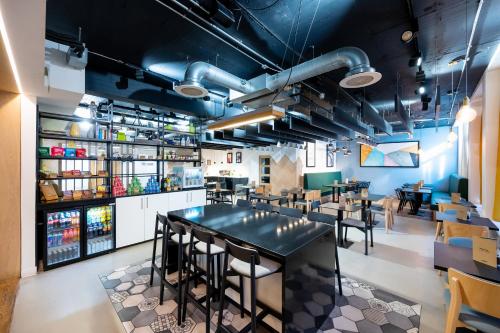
{"x": 10, "y": 185}
{"x": 284, "y": 174}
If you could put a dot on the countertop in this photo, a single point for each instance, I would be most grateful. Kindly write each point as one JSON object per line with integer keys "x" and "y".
{"x": 275, "y": 234}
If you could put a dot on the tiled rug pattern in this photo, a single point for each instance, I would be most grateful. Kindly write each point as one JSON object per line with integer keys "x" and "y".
{"x": 362, "y": 308}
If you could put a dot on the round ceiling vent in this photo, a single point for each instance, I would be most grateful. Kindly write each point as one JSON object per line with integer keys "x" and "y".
{"x": 191, "y": 90}
{"x": 360, "y": 80}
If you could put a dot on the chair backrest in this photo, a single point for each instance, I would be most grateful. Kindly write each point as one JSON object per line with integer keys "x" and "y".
{"x": 322, "y": 217}
{"x": 264, "y": 206}
{"x": 242, "y": 253}
{"x": 317, "y": 195}
{"x": 292, "y": 212}
{"x": 388, "y": 203}
{"x": 476, "y": 293}
{"x": 284, "y": 192}
{"x": 203, "y": 235}
{"x": 238, "y": 188}
{"x": 315, "y": 204}
{"x": 309, "y": 195}
{"x": 243, "y": 203}
{"x": 455, "y": 229}
{"x": 399, "y": 193}
{"x": 259, "y": 190}
{"x": 443, "y": 207}
{"x": 162, "y": 219}
{"x": 283, "y": 201}
{"x": 176, "y": 227}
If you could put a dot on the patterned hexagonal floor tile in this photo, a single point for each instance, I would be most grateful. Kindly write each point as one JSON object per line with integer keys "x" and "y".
{"x": 133, "y": 300}
{"x": 351, "y": 313}
{"x": 362, "y": 308}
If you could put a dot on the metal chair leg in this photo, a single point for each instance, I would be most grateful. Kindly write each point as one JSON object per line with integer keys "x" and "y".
{"x": 242, "y": 304}
{"x": 222, "y": 293}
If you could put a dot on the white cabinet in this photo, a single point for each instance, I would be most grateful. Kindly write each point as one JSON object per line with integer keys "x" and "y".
{"x": 198, "y": 198}
{"x": 129, "y": 220}
{"x": 136, "y": 216}
{"x": 154, "y": 203}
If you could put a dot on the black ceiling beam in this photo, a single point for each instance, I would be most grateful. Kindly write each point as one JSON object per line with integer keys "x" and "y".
{"x": 284, "y": 128}
{"x": 403, "y": 115}
{"x": 266, "y": 130}
{"x": 328, "y": 125}
{"x": 242, "y": 134}
{"x": 305, "y": 127}
{"x": 226, "y": 135}
{"x": 344, "y": 119}
{"x": 371, "y": 116}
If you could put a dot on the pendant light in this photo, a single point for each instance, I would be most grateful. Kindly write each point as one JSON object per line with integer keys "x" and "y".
{"x": 466, "y": 114}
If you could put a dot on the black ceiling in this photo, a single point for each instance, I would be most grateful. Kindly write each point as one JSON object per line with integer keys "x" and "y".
{"x": 145, "y": 33}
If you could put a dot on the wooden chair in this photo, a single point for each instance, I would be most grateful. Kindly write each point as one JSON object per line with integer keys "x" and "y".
{"x": 480, "y": 295}
{"x": 309, "y": 197}
{"x": 443, "y": 207}
{"x": 460, "y": 230}
{"x": 385, "y": 210}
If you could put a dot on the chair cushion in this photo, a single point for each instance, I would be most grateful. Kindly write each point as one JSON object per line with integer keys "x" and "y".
{"x": 460, "y": 241}
{"x": 480, "y": 321}
{"x": 185, "y": 239}
{"x": 260, "y": 270}
{"x": 214, "y": 249}
{"x": 353, "y": 223}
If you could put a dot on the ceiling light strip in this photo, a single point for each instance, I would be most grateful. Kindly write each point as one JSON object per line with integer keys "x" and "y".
{"x": 10, "y": 54}
{"x": 252, "y": 117}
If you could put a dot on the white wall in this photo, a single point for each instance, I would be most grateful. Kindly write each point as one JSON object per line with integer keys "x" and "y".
{"x": 28, "y": 185}
{"x": 437, "y": 162}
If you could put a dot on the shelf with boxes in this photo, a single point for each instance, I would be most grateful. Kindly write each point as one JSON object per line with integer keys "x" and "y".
{"x": 115, "y": 153}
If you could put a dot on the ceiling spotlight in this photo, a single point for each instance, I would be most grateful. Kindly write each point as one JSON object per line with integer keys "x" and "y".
{"x": 416, "y": 60}
{"x": 407, "y": 36}
{"x": 456, "y": 61}
{"x": 420, "y": 77}
{"x": 349, "y": 152}
{"x": 420, "y": 90}
{"x": 344, "y": 148}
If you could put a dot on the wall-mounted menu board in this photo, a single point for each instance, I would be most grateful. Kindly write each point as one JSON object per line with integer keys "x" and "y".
{"x": 391, "y": 155}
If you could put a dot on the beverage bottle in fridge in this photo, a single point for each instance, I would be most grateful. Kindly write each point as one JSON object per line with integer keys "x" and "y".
{"x": 65, "y": 236}
{"x": 70, "y": 235}
{"x": 77, "y": 234}
{"x": 59, "y": 238}
{"x": 49, "y": 240}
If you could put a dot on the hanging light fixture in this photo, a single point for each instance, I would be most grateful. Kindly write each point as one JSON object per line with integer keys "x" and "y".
{"x": 466, "y": 114}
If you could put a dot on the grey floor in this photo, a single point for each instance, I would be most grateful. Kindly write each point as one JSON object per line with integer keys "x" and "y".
{"x": 72, "y": 299}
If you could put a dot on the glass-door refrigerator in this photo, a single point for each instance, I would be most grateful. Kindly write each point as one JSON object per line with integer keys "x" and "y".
{"x": 100, "y": 229}
{"x": 62, "y": 230}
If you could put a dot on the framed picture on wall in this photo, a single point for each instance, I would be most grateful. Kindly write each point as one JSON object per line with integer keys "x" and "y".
{"x": 238, "y": 157}
{"x": 229, "y": 158}
{"x": 390, "y": 155}
{"x": 330, "y": 158}
{"x": 310, "y": 154}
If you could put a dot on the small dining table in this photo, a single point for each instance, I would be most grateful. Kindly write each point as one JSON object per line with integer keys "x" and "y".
{"x": 449, "y": 256}
{"x": 266, "y": 197}
{"x": 366, "y": 200}
{"x": 340, "y": 216}
{"x": 220, "y": 193}
{"x": 336, "y": 189}
{"x": 418, "y": 197}
{"x": 462, "y": 202}
{"x": 451, "y": 216}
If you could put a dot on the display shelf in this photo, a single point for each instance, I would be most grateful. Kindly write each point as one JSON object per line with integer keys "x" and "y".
{"x": 135, "y": 174}
{"x": 70, "y": 138}
{"x": 72, "y": 118}
{"x": 153, "y": 160}
{"x": 133, "y": 143}
{"x": 89, "y": 158}
{"x": 166, "y": 145}
{"x": 72, "y": 178}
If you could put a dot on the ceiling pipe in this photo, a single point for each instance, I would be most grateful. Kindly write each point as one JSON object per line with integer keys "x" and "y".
{"x": 371, "y": 116}
{"x": 360, "y": 74}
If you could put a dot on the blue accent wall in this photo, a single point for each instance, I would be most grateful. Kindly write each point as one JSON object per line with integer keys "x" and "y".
{"x": 438, "y": 160}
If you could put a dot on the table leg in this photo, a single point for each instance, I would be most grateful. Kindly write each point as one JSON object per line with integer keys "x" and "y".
{"x": 340, "y": 217}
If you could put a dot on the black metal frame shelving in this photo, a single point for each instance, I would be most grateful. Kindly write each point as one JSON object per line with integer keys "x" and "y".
{"x": 108, "y": 161}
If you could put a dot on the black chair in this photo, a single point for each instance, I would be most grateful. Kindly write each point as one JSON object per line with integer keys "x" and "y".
{"x": 401, "y": 197}
{"x": 160, "y": 229}
{"x": 331, "y": 220}
{"x": 361, "y": 185}
{"x": 291, "y": 212}
{"x": 206, "y": 247}
{"x": 264, "y": 206}
{"x": 243, "y": 203}
{"x": 283, "y": 201}
{"x": 365, "y": 225}
{"x": 246, "y": 264}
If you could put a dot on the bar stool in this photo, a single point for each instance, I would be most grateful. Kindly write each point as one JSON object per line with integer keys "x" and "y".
{"x": 246, "y": 263}
{"x": 160, "y": 220}
{"x": 205, "y": 246}
{"x": 182, "y": 238}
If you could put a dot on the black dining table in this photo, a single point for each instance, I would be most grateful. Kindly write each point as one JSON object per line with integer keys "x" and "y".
{"x": 336, "y": 189}
{"x": 449, "y": 256}
{"x": 294, "y": 243}
{"x": 419, "y": 194}
{"x": 473, "y": 220}
{"x": 266, "y": 197}
{"x": 366, "y": 200}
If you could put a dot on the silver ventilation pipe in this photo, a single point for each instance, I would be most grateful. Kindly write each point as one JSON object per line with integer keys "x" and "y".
{"x": 200, "y": 71}
{"x": 360, "y": 74}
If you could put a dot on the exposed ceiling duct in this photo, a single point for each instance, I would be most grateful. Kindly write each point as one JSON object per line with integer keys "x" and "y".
{"x": 371, "y": 116}
{"x": 360, "y": 74}
{"x": 403, "y": 114}
{"x": 327, "y": 124}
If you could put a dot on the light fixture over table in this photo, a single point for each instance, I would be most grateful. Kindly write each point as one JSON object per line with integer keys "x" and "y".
{"x": 270, "y": 112}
